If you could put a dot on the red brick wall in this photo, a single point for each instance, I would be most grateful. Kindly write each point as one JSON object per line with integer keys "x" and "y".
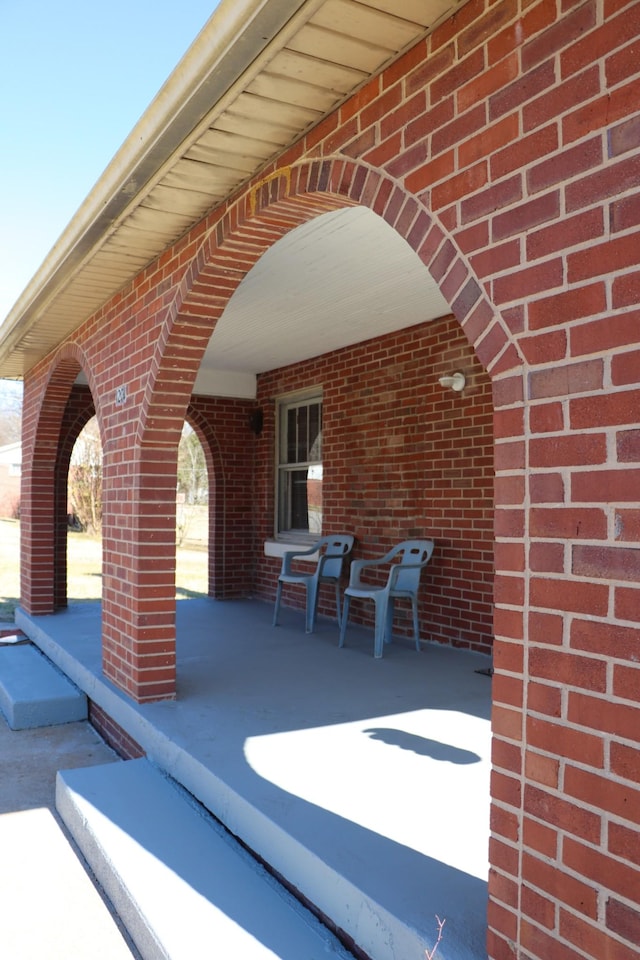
{"x": 222, "y": 425}
{"x": 402, "y": 458}
{"x": 117, "y": 738}
{"x": 504, "y": 148}
{"x": 43, "y": 503}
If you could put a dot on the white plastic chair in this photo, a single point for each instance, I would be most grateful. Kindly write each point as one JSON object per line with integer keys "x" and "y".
{"x": 406, "y": 560}
{"x": 332, "y": 553}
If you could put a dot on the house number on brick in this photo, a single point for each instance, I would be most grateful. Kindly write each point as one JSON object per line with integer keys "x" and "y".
{"x": 121, "y": 396}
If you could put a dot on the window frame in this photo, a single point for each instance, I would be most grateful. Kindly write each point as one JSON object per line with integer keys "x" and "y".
{"x": 282, "y": 502}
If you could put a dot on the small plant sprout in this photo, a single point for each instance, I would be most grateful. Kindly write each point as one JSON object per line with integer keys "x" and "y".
{"x": 430, "y": 954}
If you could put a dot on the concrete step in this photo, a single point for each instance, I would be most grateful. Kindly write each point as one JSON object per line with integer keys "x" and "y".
{"x": 182, "y": 885}
{"x": 33, "y": 693}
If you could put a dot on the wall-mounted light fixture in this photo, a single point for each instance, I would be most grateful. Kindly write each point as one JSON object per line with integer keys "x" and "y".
{"x": 456, "y": 381}
{"x": 256, "y": 421}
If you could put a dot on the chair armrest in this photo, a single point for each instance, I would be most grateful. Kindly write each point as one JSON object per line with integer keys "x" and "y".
{"x": 397, "y": 569}
{"x": 357, "y": 566}
{"x": 325, "y": 558}
{"x": 290, "y": 555}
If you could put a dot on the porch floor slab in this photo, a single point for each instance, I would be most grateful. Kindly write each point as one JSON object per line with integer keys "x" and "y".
{"x": 181, "y": 885}
{"x": 364, "y": 783}
{"x": 33, "y": 693}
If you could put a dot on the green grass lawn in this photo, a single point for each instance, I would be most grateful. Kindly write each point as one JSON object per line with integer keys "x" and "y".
{"x": 84, "y": 571}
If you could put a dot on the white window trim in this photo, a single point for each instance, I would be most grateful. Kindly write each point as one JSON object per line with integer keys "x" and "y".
{"x": 289, "y": 540}
{"x": 278, "y": 548}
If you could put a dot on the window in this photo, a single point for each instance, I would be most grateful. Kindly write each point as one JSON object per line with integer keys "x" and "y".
{"x": 300, "y": 467}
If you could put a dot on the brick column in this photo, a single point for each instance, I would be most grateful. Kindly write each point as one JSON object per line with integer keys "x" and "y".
{"x": 138, "y": 596}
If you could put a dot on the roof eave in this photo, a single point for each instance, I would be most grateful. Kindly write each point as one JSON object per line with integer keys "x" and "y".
{"x": 233, "y": 38}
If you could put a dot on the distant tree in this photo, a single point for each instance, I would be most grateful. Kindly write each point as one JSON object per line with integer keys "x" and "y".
{"x": 85, "y": 478}
{"x": 193, "y": 484}
{"x": 10, "y": 411}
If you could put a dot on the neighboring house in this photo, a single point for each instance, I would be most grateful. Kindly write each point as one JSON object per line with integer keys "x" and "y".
{"x": 333, "y": 205}
{"x": 11, "y": 478}
{"x": 10, "y": 472}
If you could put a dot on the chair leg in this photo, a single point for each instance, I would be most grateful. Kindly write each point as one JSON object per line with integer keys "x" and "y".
{"x": 338, "y": 603}
{"x": 345, "y": 617}
{"x": 416, "y": 631}
{"x": 388, "y": 626}
{"x": 381, "y": 626}
{"x": 312, "y": 605}
{"x": 276, "y": 609}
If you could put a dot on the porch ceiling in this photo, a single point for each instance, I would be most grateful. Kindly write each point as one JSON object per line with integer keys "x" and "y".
{"x": 341, "y": 278}
{"x": 260, "y": 74}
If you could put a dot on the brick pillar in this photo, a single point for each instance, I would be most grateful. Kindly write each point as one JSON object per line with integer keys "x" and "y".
{"x": 43, "y": 410}
{"x": 138, "y": 597}
{"x": 37, "y": 535}
{"x": 223, "y": 428}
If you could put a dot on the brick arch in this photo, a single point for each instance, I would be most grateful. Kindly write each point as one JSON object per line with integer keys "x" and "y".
{"x": 268, "y": 210}
{"x": 258, "y": 218}
{"x": 48, "y": 442}
{"x": 70, "y": 360}
{"x": 285, "y": 200}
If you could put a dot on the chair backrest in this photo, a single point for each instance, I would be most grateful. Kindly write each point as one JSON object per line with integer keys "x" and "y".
{"x": 411, "y": 552}
{"x": 334, "y": 549}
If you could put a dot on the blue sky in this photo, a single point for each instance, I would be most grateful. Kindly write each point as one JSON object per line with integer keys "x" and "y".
{"x": 75, "y": 76}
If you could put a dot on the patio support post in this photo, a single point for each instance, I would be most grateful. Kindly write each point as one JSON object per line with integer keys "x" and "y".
{"x": 138, "y": 601}
{"x": 42, "y": 487}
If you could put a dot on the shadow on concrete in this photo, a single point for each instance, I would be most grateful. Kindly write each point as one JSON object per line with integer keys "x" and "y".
{"x": 423, "y": 746}
{"x": 286, "y": 738}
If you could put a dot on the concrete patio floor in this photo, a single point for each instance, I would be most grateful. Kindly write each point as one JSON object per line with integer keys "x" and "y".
{"x": 364, "y": 783}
